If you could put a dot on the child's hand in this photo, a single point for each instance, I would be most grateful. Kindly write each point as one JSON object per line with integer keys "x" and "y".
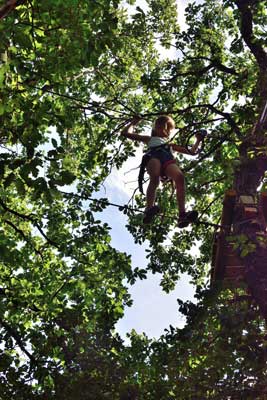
{"x": 201, "y": 134}
{"x": 128, "y": 129}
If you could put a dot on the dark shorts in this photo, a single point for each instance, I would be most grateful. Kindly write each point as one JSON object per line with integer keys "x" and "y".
{"x": 165, "y": 157}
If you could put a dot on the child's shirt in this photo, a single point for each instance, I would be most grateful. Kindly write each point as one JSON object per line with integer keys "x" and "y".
{"x": 156, "y": 141}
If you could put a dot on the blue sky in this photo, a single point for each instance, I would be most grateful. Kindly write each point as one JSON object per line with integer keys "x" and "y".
{"x": 152, "y": 310}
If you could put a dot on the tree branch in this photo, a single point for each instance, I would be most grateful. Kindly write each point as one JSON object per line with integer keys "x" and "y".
{"x": 20, "y": 232}
{"x": 30, "y": 218}
{"x": 18, "y": 340}
{"x": 245, "y": 8}
{"x": 212, "y": 108}
{"x": 200, "y": 72}
{"x": 9, "y": 7}
{"x": 247, "y": 32}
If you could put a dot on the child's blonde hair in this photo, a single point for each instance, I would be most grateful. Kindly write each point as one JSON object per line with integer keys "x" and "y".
{"x": 164, "y": 122}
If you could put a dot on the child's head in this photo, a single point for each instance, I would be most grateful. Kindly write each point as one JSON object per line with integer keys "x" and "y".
{"x": 163, "y": 126}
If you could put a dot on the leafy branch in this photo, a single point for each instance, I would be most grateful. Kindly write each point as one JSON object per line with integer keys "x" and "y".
{"x": 9, "y": 7}
{"x": 12, "y": 332}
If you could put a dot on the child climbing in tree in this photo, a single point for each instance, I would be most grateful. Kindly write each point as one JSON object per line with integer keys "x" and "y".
{"x": 160, "y": 162}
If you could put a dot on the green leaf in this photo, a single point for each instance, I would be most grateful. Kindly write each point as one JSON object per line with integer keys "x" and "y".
{"x": 2, "y": 109}
{"x": 67, "y": 177}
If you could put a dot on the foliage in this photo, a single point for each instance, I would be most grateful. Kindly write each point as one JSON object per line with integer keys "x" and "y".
{"x": 72, "y": 73}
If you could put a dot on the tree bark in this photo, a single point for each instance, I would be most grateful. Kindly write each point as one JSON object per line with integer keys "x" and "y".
{"x": 249, "y": 174}
{"x": 9, "y": 6}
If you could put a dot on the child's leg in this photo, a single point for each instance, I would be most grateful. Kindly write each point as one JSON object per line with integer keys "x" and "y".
{"x": 173, "y": 172}
{"x": 185, "y": 218}
{"x": 153, "y": 169}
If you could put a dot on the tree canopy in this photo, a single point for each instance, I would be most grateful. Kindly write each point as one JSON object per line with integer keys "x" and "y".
{"x": 72, "y": 74}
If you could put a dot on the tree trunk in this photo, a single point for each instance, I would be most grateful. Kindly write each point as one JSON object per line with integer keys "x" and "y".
{"x": 249, "y": 218}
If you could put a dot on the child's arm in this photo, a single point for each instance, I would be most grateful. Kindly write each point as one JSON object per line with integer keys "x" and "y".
{"x": 193, "y": 151}
{"x": 185, "y": 150}
{"x": 129, "y": 129}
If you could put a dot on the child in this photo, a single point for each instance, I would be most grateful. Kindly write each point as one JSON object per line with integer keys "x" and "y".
{"x": 161, "y": 163}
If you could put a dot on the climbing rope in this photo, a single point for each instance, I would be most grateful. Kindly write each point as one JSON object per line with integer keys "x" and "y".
{"x": 125, "y": 207}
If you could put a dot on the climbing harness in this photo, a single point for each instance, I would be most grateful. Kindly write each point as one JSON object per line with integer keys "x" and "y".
{"x": 164, "y": 148}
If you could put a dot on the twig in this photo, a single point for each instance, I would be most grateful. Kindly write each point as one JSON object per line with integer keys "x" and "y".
{"x": 20, "y": 232}
{"x": 18, "y": 340}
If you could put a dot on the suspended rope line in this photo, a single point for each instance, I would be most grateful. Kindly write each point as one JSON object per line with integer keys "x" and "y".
{"x": 200, "y": 222}
{"x": 125, "y": 208}
{"x": 121, "y": 207}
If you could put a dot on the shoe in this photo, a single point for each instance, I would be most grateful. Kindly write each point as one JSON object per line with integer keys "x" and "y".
{"x": 150, "y": 213}
{"x": 187, "y": 218}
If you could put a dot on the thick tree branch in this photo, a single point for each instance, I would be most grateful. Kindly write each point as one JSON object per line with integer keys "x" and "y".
{"x": 227, "y": 116}
{"x": 247, "y": 33}
{"x": 245, "y": 8}
{"x": 207, "y": 154}
{"x": 9, "y": 7}
{"x": 201, "y": 72}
